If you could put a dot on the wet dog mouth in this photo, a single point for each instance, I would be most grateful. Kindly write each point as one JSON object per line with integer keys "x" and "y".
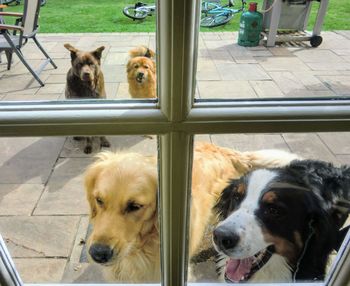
{"x": 139, "y": 78}
{"x": 241, "y": 270}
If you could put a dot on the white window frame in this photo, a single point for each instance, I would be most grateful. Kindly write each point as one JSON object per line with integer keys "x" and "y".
{"x": 175, "y": 119}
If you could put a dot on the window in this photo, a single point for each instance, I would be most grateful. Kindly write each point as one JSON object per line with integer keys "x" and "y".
{"x": 176, "y": 118}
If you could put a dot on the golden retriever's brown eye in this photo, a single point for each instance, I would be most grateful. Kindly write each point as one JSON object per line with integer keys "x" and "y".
{"x": 146, "y": 67}
{"x": 99, "y": 201}
{"x": 136, "y": 66}
{"x": 132, "y": 207}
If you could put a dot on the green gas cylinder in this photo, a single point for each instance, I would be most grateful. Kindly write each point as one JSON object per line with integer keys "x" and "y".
{"x": 250, "y": 27}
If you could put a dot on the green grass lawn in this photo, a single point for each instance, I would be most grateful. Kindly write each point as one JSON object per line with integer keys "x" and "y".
{"x": 67, "y": 16}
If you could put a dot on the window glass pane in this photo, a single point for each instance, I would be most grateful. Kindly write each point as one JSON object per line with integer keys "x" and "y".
{"x": 234, "y": 67}
{"x": 45, "y": 212}
{"x": 262, "y": 217}
{"x": 102, "y": 40}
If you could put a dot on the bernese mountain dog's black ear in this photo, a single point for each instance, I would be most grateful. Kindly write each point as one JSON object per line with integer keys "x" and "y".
{"x": 319, "y": 237}
{"x": 331, "y": 184}
{"x": 230, "y": 198}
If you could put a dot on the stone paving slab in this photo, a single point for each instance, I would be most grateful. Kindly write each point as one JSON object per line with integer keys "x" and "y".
{"x": 336, "y": 143}
{"x": 287, "y": 82}
{"x": 309, "y": 146}
{"x": 19, "y": 199}
{"x": 64, "y": 193}
{"x": 250, "y": 142}
{"x": 40, "y": 270}
{"x": 226, "y": 89}
{"x": 136, "y": 143}
{"x": 266, "y": 88}
{"x": 39, "y": 236}
{"x": 242, "y": 72}
{"x": 22, "y": 160}
{"x": 283, "y": 64}
{"x": 340, "y": 84}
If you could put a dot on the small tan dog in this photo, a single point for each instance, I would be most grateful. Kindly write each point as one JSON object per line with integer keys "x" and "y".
{"x": 122, "y": 188}
{"x": 141, "y": 73}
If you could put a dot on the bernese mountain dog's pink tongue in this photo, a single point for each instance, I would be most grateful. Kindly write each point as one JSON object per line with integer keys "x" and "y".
{"x": 237, "y": 269}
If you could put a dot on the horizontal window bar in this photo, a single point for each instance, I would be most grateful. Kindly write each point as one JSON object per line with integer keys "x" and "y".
{"x": 188, "y": 284}
{"x": 40, "y": 119}
{"x": 320, "y": 101}
{"x": 85, "y": 104}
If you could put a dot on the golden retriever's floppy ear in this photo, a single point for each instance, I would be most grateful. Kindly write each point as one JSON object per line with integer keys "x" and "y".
{"x": 90, "y": 179}
{"x": 98, "y": 52}
{"x": 73, "y": 51}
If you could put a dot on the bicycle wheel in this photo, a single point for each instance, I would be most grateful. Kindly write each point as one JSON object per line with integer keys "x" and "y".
{"x": 216, "y": 20}
{"x": 134, "y": 13}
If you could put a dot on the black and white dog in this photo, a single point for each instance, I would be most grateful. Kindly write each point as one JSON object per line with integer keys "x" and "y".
{"x": 280, "y": 225}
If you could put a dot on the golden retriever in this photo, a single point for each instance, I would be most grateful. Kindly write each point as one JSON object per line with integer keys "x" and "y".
{"x": 141, "y": 73}
{"x": 121, "y": 190}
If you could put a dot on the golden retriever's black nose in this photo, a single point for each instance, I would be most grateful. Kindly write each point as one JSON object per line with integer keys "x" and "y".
{"x": 225, "y": 238}
{"x": 100, "y": 253}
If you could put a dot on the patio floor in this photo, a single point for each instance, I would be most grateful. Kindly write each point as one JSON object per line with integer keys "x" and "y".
{"x": 43, "y": 211}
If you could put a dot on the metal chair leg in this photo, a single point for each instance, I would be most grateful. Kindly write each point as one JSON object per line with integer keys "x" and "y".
{"x": 9, "y": 59}
{"x": 44, "y": 52}
{"x": 20, "y": 56}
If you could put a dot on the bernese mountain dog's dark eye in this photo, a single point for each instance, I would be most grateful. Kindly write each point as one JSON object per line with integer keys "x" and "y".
{"x": 132, "y": 207}
{"x": 273, "y": 211}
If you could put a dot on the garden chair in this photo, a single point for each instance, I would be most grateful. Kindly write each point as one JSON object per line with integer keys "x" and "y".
{"x": 14, "y": 37}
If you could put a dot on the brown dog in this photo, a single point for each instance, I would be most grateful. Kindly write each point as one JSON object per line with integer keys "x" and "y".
{"x": 85, "y": 80}
{"x": 141, "y": 72}
{"x": 121, "y": 189}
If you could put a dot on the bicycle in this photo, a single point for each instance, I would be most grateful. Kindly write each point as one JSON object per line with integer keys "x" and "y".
{"x": 139, "y": 11}
{"x": 17, "y": 2}
{"x": 214, "y": 14}
{"x": 8, "y": 2}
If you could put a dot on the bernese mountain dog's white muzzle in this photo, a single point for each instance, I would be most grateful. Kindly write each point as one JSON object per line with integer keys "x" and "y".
{"x": 280, "y": 225}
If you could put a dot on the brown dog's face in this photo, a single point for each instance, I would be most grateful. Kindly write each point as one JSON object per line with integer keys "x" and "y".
{"x": 85, "y": 65}
{"x": 121, "y": 190}
{"x": 141, "y": 69}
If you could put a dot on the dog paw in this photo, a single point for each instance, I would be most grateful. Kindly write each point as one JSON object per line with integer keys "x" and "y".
{"x": 78, "y": 138}
{"x": 104, "y": 142}
{"x": 88, "y": 149}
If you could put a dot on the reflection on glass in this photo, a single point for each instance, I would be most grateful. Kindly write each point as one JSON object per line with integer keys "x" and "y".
{"x": 96, "y": 65}
{"x": 44, "y": 208}
{"x": 279, "y": 212}
{"x": 284, "y": 66}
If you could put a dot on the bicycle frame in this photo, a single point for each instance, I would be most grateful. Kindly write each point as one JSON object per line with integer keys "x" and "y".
{"x": 218, "y": 10}
{"x": 147, "y": 9}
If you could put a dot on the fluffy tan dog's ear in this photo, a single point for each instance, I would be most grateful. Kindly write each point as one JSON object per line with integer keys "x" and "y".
{"x": 129, "y": 66}
{"x": 154, "y": 67}
{"x": 90, "y": 179}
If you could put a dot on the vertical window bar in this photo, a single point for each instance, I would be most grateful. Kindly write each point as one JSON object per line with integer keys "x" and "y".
{"x": 175, "y": 162}
{"x": 176, "y": 39}
{"x": 177, "y": 34}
